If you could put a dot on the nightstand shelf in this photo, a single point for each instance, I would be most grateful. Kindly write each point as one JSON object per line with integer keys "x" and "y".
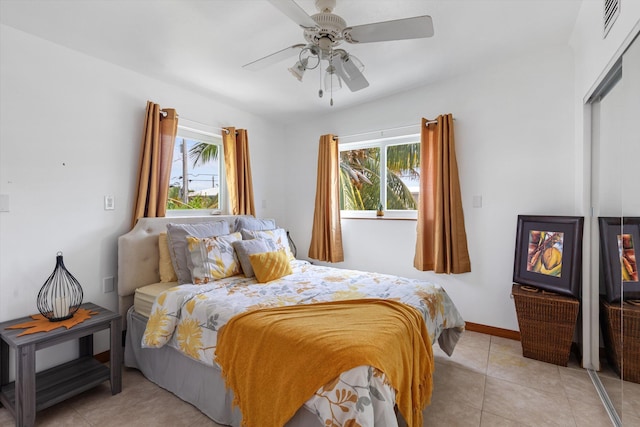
{"x": 61, "y": 382}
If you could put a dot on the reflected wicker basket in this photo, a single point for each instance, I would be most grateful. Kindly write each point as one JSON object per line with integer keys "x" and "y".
{"x": 622, "y": 338}
{"x": 547, "y": 323}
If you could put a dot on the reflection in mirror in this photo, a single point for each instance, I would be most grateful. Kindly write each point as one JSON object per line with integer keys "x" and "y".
{"x": 606, "y": 202}
{"x": 615, "y": 193}
{"x": 630, "y": 189}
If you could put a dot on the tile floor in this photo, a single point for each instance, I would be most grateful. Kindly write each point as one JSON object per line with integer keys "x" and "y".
{"x": 486, "y": 382}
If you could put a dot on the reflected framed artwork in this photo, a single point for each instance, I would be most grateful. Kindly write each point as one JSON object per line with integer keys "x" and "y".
{"x": 619, "y": 243}
{"x": 549, "y": 253}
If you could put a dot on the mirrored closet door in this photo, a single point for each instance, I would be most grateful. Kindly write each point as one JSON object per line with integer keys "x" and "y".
{"x": 615, "y": 194}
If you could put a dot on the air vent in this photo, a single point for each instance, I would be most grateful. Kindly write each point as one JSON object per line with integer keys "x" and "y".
{"x": 609, "y": 14}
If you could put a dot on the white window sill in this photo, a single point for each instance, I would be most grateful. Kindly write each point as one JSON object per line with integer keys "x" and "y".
{"x": 176, "y": 213}
{"x": 394, "y": 215}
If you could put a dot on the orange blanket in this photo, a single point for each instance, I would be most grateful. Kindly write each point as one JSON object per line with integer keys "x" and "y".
{"x": 274, "y": 359}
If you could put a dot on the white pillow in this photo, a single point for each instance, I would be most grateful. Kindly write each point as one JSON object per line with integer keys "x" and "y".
{"x": 213, "y": 258}
{"x": 279, "y": 236}
{"x": 177, "y": 234}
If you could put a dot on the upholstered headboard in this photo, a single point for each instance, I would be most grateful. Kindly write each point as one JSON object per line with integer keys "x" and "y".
{"x": 138, "y": 255}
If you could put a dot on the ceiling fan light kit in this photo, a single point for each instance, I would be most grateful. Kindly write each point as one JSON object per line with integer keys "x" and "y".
{"x": 299, "y": 68}
{"x": 325, "y": 31}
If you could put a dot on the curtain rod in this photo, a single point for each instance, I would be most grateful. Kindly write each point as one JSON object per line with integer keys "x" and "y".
{"x": 386, "y": 130}
{"x": 164, "y": 114}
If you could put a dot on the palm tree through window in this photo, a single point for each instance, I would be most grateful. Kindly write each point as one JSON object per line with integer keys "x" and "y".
{"x": 362, "y": 166}
{"x": 196, "y": 179}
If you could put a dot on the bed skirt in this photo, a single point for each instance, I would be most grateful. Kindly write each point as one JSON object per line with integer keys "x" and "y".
{"x": 190, "y": 380}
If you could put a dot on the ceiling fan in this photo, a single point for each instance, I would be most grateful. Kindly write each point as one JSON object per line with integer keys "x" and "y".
{"x": 325, "y": 31}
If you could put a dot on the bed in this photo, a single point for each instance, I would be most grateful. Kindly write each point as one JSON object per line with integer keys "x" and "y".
{"x": 362, "y": 394}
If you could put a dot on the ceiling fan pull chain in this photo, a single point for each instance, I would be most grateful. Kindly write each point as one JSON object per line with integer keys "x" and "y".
{"x": 320, "y": 92}
{"x": 332, "y": 71}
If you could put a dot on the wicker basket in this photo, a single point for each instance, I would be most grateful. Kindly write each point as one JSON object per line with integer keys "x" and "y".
{"x": 547, "y": 322}
{"x": 622, "y": 338}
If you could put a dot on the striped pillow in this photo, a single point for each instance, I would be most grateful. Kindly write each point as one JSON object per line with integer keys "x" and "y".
{"x": 269, "y": 266}
{"x": 213, "y": 257}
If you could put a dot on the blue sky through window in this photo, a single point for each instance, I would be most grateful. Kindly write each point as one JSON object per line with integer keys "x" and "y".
{"x": 202, "y": 178}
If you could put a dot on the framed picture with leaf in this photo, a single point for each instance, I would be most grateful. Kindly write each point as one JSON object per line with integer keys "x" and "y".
{"x": 549, "y": 253}
{"x": 619, "y": 243}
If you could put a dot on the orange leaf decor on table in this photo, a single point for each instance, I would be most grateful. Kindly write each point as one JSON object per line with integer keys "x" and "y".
{"x": 42, "y": 324}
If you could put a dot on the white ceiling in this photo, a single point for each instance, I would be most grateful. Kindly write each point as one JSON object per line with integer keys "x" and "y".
{"x": 202, "y": 44}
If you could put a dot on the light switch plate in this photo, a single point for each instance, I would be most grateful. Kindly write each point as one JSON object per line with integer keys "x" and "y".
{"x": 109, "y": 203}
{"x": 108, "y": 284}
{"x": 4, "y": 203}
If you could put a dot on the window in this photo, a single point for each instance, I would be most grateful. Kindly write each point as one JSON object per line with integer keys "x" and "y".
{"x": 384, "y": 172}
{"x": 196, "y": 185}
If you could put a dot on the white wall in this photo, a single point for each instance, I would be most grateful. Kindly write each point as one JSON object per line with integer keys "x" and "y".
{"x": 520, "y": 143}
{"x": 514, "y": 142}
{"x": 592, "y": 52}
{"x": 594, "y": 57}
{"x": 70, "y": 128}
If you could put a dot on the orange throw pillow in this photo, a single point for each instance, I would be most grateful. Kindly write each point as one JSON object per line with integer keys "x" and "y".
{"x": 269, "y": 266}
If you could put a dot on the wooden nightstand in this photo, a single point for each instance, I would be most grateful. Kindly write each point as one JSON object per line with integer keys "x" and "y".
{"x": 32, "y": 392}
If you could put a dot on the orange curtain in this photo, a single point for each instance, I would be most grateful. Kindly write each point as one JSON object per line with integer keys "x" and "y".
{"x": 326, "y": 236}
{"x": 238, "y": 168}
{"x": 154, "y": 168}
{"x": 441, "y": 244}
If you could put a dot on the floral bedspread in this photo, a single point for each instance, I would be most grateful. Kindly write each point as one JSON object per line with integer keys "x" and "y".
{"x": 188, "y": 317}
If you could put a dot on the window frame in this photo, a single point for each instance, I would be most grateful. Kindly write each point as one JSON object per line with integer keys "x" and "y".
{"x": 382, "y": 143}
{"x": 209, "y": 138}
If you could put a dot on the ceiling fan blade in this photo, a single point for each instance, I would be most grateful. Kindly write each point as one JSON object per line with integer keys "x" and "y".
{"x": 278, "y": 56}
{"x": 350, "y": 74}
{"x": 295, "y": 13}
{"x": 399, "y": 29}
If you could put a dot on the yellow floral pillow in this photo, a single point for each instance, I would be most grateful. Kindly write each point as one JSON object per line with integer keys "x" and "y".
{"x": 269, "y": 266}
{"x": 279, "y": 235}
{"x": 165, "y": 266}
{"x": 213, "y": 257}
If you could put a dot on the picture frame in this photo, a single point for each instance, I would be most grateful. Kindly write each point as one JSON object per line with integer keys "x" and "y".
{"x": 549, "y": 253}
{"x": 619, "y": 246}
